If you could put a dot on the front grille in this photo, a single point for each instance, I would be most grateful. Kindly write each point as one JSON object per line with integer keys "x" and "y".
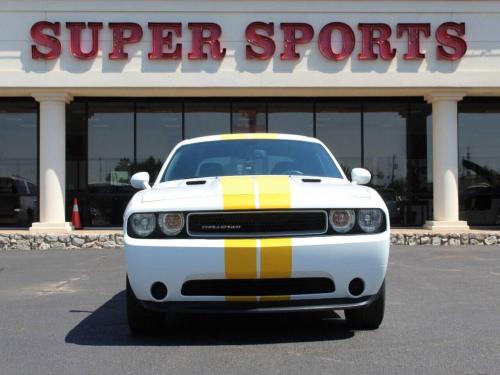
{"x": 257, "y": 223}
{"x": 258, "y": 287}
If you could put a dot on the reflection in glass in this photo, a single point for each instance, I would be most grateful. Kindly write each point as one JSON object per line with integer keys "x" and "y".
{"x": 159, "y": 129}
{"x": 338, "y": 125}
{"x": 291, "y": 118}
{"x": 479, "y": 162}
{"x": 18, "y": 163}
{"x": 206, "y": 118}
{"x": 249, "y": 118}
{"x": 76, "y": 141}
{"x": 110, "y": 159}
{"x": 385, "y": 152}
{"x": 110, "y": 144}
{"x": 395, "y": 151}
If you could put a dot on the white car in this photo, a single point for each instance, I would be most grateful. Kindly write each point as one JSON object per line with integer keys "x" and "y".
{"x": 255, "y": 223}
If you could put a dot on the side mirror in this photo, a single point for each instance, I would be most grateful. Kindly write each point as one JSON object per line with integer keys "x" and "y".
{"x": 140, "y": 181}
{"x": 360, "y": 176}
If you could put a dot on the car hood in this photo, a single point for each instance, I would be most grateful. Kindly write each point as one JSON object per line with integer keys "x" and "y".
{"x": 256, "y": 192}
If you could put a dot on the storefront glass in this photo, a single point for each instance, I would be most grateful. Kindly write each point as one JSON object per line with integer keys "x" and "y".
{"x": 293, "y": 117}
{"x": 390, "y": 137}
{"x": 110, "y": 160}
{"x": 249, "y": 117}
{"x": 479, "y": 161}
{"x": 18, "y": 163}
{"x": 206, "y": 118}
{"x": 338, "y": 125}
{"x": 159, "y": 129}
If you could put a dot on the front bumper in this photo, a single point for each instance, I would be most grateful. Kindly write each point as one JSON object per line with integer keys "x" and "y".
{"x": 175, "y": 261}
{"x": 268, "y": 307}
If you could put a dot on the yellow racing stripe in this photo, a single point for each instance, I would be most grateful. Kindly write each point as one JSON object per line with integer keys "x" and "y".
{"x": 274, "y": 192}
{"x": 238, "y": 193}
{"x": 275, "y": 262}
{"x": 240, "y": 255}
{"x": 240, "y": 136}
{"x": 240, "y": 258}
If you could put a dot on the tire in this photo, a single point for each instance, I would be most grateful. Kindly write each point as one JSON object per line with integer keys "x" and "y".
{"x": 141, "y": 320}
{"x": 369, "y": 317}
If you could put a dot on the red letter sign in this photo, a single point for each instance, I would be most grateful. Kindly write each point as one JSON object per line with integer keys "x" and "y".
{"x": 212, "y": 39}
{"x": 369, "y": 40}
{"x": 325, "y": 41}
{"x": 76, "y": 39}
{"x": 454, "y": 42}
{"x": 262, "y": 41}
{"x": 414, "y": 30}
{"x": 291, "y": 40}
{"x": 48, "y": 41}
{"x": 160, "y": 40}
{"x": 119, "y": 38}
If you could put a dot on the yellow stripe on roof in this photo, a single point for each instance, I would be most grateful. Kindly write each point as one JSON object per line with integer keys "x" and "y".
{"x": 240, "y": 136}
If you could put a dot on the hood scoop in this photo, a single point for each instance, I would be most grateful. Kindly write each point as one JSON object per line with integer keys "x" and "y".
{"x": 196, "y": 182}
{"x": 311, "y": 180}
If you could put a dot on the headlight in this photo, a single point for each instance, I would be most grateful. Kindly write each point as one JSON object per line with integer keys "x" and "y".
{"x": 171, "y": 224}
{"x": 342, "y": 221}
{"x": 143, "y": 224}
{"x": 370, "y": 220}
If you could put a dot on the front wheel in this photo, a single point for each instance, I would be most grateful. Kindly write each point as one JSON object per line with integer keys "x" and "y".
{"x": 369, "y": 317}
{"x": 141, "y": 320}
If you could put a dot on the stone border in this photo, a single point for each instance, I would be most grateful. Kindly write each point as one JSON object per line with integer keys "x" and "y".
{"x": 62, "y": 241}
{"x": 18, "y": 241}
{"x": 445, "y": 239}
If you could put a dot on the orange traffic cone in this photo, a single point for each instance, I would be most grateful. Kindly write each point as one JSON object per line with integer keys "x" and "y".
{"x": 75, "y": 216}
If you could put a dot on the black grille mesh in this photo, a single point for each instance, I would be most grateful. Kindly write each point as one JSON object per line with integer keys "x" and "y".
{"x": 260, "y": 223}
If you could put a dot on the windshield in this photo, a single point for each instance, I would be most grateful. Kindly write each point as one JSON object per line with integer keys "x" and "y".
{"x": 250, "y": 157}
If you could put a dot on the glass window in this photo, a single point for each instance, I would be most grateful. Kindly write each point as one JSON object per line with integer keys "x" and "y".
{"x": 479, "y": 162}
{"x": 18, "y": 163}
{"x": 395, "y": 151}
{"x": 159, "y": 129}
{"x": 291, "y": 118}
{"x": 110, "y": 160}
{"x": 249, "y": 117}
{"x": 385, "y": 151}
{"x": 338, "y": 125}
{"x": 416, "y": 209}
{"x": 76, "y": 146}
{"x": 251, "y": 157}
{"x": 206, "y": 118}
{"x": 110, "y": 144}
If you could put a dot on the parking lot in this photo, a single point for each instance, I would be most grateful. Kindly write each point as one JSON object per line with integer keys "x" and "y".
{"x": 62, "y": 312}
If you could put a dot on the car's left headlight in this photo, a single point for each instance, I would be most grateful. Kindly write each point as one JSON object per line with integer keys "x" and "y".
{"x": 171, "y": 223}
{"x": 370, "y": 219}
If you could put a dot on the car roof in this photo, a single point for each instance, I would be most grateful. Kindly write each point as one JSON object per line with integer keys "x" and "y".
{"x": 244, "y": 136}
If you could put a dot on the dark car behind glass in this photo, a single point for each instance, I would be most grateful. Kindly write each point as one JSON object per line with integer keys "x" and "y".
{"x": 18, "y": 201}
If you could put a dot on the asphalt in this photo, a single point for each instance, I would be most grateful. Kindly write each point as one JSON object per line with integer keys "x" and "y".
{"x": 62, "y": 312}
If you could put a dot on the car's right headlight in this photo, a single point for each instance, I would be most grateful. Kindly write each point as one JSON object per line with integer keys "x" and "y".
{"x": 143, "y": 224}
{"x": 370, "y": 219}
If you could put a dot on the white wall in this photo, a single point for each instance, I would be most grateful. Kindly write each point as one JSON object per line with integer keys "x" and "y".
{"x": 478, "y": 70}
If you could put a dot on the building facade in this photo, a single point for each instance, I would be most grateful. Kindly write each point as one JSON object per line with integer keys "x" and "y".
{"x": 93, "y": 91}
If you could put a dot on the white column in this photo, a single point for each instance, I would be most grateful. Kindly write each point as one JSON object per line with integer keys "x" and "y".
{"x": 52, "y": 163}
{"x": 445, "y": 162}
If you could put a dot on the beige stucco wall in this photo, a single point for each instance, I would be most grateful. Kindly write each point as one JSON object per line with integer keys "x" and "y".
{"x": 477, "y": 72}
